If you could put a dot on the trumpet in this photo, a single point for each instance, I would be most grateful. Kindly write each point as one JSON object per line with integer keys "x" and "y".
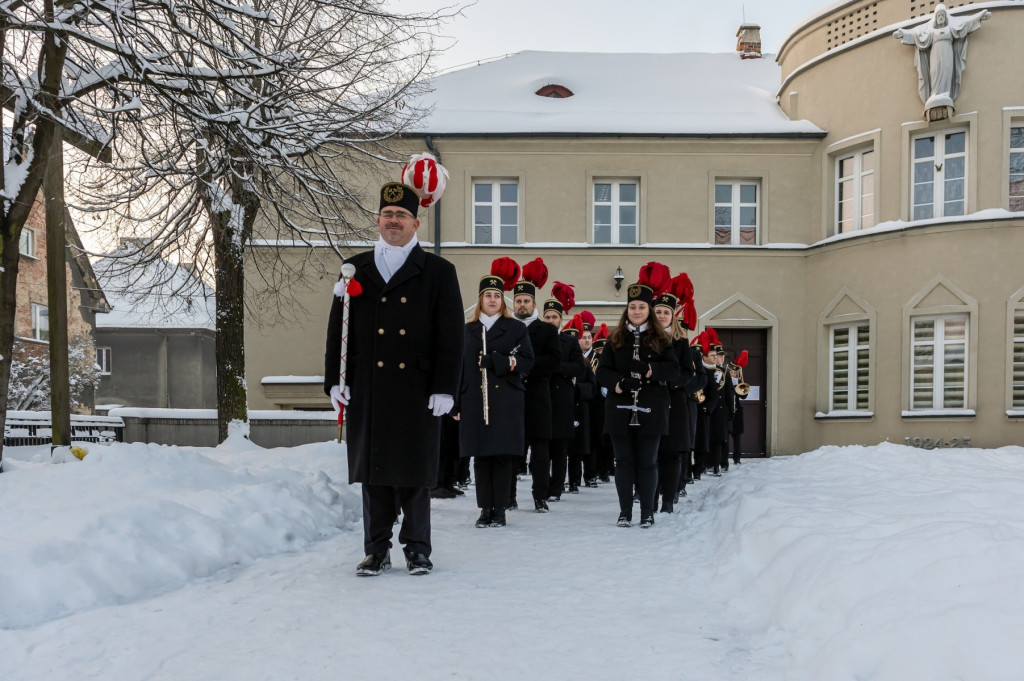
{"x": 742, "y": 389}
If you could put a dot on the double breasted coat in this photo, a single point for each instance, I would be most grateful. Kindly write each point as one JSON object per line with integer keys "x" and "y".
{"x": 404, "y": 345}
{"x": 680, "y": 434}
{"x": 505, "y": 390}
{"x": 547, "y": 356}
{"x": 614, "y": 365}
{"x": 563, "y": 387}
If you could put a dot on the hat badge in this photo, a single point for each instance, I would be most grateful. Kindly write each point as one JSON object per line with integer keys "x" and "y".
{"x": 634, "y": 291}
{"x": 393, "y": 193}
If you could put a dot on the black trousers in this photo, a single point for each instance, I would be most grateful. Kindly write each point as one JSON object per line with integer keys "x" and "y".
{"x": 636, "y": 462}
{"x": 559, "y": 463}
{"x": 540, "y": 468}
{"x": 719, "y": 454}
{"x": 493, "y": 477}
{"x": 737, "y": 446}
{"x": 670, "y": 466}
{"x": 380, "y": 512}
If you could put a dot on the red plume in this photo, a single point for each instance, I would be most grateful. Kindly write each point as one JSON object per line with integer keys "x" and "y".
{"x": 508, "y": 270}
{"x": 536, "y": 272}
{"x": 689, "y": 314}
{"x": 354, "y": 288}
{"x": 602, "y": 333}
{"x": 588, "y": 319}
{"x": 574, "y": 323}
{"x": 564, "y": 294}
{"x": 703, "y": 342}
{"x": 657, "y": 276}
{"x": 712, "y": 336}
{"x": 741, "y": 361}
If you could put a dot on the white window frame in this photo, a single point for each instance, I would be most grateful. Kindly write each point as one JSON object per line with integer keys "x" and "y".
{"x": 939, "y": 364}
{"x": 851, "y": 349}
{"x": 1015, "y": 359}
{"x": 27, "y": 242}
{"x": 938, "y": 173}
{"x": 859, "y": 219}
{"x": 615, "y": 204}
{"x": 38, "y": 332}
{"x": 1016, "y": 203}
{"x": 103, "y": 357}
{"x": 495, "y": 205}
{"x": 735, "y": 205}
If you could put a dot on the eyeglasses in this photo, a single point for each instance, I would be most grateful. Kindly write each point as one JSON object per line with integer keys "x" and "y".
{"x": 392, "y": 215}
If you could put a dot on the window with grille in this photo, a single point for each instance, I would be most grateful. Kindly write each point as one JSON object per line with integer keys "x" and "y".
{"x": 1017, "y": 168}
{"x": 737, "y": 212}
{"x": 855, "y": 191}
{"x": 1017, "y": 364}
{"x": 495, "y": 212}
{"x": 940, "y": 175}
{"x": 939, "y": 362}
{"x": 850, "y": 358}
{"x": 616, "y": 212}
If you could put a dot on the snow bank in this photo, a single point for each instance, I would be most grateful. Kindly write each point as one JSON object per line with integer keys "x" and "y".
{"x": 882, "y": 562}
{"x": 131, "y": 521}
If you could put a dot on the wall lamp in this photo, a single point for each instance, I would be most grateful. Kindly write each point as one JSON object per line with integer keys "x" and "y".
{"x": 618, "y": 277}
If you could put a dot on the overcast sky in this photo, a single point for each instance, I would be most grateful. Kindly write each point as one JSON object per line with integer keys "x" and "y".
{"x": 491, "y": 28}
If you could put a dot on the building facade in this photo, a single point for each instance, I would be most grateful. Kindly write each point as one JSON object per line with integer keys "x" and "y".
{"x": 863, "y": 247}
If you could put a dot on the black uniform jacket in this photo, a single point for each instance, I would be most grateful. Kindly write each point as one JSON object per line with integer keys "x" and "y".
{"x": 563, "y": 387}
{"x": 404, "y": 344}
{"x": 505, "y": 390}
{"x": 614, "y": 366}
{"x": 679, "y": 436}
{"x": 721, "y": 404}
{"x": 547, "y": 355}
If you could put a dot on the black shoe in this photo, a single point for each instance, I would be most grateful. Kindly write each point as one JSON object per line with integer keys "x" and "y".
{"x": 514, "y": 506}
{"x": 456, "y": 491}
{"x": 605, "y": 478}
{"x": 418, "y": 564}
{"x": 374, "y": 564}
{"x": 498, "y": 519}
{"x": 442, "y": 493}
{"x": 624, "y": 521}
{"x": 553, "y": 498}
{"x": 667, "y": 508}
{"x": 647, "y": 521}
{"x": 574, "y": 489}
{"x": 717, "y": 472}
{"x": 486, "y": 516}
{"x": 540, "y": 506}
{"x": 592, "y": 482}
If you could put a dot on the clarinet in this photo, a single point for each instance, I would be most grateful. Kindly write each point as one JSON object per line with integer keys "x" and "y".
{"x": 636, "y": 393}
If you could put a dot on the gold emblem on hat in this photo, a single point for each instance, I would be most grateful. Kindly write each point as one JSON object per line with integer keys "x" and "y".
{"x": 634, "y": 291}
{"x": 393, "y": 193}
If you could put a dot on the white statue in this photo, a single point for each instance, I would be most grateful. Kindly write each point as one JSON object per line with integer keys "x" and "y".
{"x": 941, "y": 54}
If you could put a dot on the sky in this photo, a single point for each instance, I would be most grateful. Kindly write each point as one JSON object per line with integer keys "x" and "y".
{"x": 492, "y": 28}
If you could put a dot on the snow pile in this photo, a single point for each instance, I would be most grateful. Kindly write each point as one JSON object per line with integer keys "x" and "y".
{"x": 878, "y": 562}
{"x": 131, "y": 521}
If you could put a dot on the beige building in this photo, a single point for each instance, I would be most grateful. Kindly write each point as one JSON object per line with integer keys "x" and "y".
{"x": 864, "y": 249}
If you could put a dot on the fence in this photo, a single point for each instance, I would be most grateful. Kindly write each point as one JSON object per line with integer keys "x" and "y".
{"x": 34, "y": 428}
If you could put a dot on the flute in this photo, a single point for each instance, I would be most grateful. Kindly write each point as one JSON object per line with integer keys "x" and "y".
{"x": 483, "y": 379}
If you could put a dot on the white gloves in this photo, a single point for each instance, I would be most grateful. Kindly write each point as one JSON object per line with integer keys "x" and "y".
{"x": 440, "y": 404}
{"x": 604, "y": 392}
{"x": 339, "y": 288}
{"x": 340, "y": 397}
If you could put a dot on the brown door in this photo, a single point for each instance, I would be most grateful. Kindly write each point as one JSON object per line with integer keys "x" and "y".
{"x": 755, "y": 342}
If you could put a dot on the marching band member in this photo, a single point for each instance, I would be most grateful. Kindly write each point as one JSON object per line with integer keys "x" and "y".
{"x": 635, "y": 367}
{"x": 498, "y": 355}
{"x": 563, "y": 386}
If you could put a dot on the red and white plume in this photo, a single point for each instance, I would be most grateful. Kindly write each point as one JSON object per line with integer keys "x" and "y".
{"x": 508, "y": 270}
{"x": 564, "y": 294}
{"x": 657, "y": 276}
{"x": 536, "y": 272}
{"x": 428, "y": 177}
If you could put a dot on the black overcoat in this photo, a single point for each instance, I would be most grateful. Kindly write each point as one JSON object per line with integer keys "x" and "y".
{"x": 547, "y": 356}
{"x": 614, "y": 366}
{"x": 505, "y": 390}
{"x": 405, "y": 344}
{"x": 586, "y": 390}
{"x": 722, "y": 406}
{"x": 680, "y": 436}
{"x": 563, "y": 387}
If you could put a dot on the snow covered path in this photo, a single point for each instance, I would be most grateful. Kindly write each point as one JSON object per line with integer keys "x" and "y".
{"x": 847, "y": 563}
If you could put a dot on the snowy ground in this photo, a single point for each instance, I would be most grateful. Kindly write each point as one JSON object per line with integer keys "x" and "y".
{"x": 154, "y": 562}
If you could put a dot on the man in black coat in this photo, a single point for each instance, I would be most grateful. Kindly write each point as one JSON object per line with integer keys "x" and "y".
{"x": 547, "y": 355}
{"x": 563, "y": 397}
{"x": 404, "y": 362}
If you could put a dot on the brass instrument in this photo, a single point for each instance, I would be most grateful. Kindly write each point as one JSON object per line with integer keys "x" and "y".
{"x": 483, "y": 379}
{"x": 700, "y": 396}
{"x": 742, "y": 389}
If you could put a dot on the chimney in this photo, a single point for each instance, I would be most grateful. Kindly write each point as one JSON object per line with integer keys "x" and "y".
{"x": 748, "y": 41}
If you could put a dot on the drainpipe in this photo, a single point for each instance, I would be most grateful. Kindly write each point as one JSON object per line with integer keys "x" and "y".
{"x": 437, "y": 206}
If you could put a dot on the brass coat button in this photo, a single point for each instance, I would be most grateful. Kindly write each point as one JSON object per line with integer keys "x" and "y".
{"x": 401, "y": 365}
{"x": 403, "y": 299}
{"x": 383, "y": 299}
{"x": 380, "y": 364}
{"x": 401, "y": 332}
{"x": 380, "y": 331}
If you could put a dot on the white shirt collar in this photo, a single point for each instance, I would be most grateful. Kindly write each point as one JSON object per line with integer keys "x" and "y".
{"x": 488, "y": 320}
{"x": 642, "y": 327}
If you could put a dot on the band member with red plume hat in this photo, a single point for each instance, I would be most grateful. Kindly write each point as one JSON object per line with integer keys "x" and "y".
{"x": 492, "y": 395}
{"x": 736, "y": 368}
{"x": 547, "y": 357}
{"x": 563, "y": 386}
{"x": 636, "y": 367}
{"x": 402, "y": 372}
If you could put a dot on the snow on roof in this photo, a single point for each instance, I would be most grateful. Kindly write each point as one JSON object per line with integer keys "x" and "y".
{"x": 153, "y": 295}
{"x": 670, "y": 94}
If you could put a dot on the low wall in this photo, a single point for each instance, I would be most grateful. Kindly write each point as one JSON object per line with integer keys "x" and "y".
{"x": 198, "y": 427}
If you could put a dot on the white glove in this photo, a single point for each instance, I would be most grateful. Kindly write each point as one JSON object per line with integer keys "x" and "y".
{"x": 339, "y": 288}
{"x": 340, "y": 397}
{"x": 440, "y": 404}
{"x": 604, "y": 392}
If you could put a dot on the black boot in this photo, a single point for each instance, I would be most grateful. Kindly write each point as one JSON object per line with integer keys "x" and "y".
{"x": 540, "y": 506}
{"x": 374, "y": 564}
{"x": 486, "y": 515}
{"x": 498, "y": 519}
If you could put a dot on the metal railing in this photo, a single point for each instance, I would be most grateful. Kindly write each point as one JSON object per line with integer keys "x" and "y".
{"x": 26, "y": 428}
